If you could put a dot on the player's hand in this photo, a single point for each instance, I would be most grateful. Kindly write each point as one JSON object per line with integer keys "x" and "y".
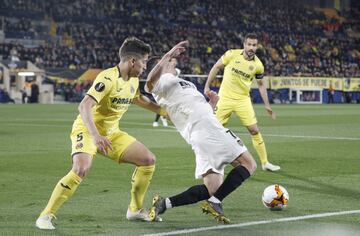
{"x": 213, "y": 98}
{"x": 206, "y": 91}
{"x": 178, "y": 49}
{"x": 102, "y": 143}
{"x": 271, "y": 112}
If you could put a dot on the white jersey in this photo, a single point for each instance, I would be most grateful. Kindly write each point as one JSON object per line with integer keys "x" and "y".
{"x": 213, "y": 145}
{"x": 183, "y": 102}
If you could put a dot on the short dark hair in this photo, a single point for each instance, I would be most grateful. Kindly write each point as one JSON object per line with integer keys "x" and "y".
{"x": 250, "y": 36}
{"x": 133, "y": 47}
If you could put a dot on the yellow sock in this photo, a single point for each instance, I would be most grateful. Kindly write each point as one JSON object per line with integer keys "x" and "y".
{"x": 260, "y": 148}
{"x": 140, "y": 182}
{"x": 63, "y": 190}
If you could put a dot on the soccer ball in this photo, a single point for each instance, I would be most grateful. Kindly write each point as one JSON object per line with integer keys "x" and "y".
{"x": 275, "y": 197}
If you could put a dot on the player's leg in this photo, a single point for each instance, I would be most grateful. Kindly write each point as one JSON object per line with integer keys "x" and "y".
{"x": 64, "y": 189}
{"x": 244, "y": 166}
{"x": 245, "y": 111}
{"x": 156, "y": 121}
{"x": 83, "y": 150}
{"x": 195, "y": 193}
{"x": 192, "y": 195}
{"x": 144, "y": 160}
{"x": 212, "y": 205}
{"x": 127, "y": 150}
{"x": 259, "y": 145}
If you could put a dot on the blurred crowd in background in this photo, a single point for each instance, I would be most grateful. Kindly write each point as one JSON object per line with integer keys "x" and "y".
{"x": 295, "y": 40}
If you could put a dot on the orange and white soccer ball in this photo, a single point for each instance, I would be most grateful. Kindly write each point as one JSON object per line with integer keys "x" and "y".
{"x": 275, "y": 197}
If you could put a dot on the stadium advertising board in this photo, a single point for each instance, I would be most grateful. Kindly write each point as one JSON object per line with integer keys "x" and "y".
{"x": 352, "y": 84}
{"x": 305, "y": 82}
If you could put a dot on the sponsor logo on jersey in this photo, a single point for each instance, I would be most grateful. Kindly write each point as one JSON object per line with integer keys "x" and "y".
{"x": 100, "y": 87}
{"x": 239, "y": 72}
{"x": 132, "y": 90}
{"x": 121, "y": 101}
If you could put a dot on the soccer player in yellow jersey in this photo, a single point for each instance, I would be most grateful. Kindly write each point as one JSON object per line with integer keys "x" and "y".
{"x": 96, "y": 129}
{"x": 241, "y": 66}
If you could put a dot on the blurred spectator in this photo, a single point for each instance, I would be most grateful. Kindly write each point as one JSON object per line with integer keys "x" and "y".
{"x": 34, "y": 98}
{"x": 5, "y": 97}
{"x": 296, "y": 40}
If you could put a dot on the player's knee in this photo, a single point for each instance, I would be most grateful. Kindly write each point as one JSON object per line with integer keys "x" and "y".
{"x": 150, "y": 160}
{"x": 81, "y": 171}
{"x": 252, "y": 167}
{"x": 254, "y": 131}
{"x": 248, "y": 162}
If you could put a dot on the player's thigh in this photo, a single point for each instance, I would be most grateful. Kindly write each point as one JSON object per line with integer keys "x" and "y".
{"x": 245, "y": 111}
{"x": 223, "y": 111}
{"x": 139, "y": 155}
{"x": 127, "y": 149}
{"x": 82, "y": 150}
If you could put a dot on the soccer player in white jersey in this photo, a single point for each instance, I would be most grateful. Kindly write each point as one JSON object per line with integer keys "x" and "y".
{"x": 214, "y": 146}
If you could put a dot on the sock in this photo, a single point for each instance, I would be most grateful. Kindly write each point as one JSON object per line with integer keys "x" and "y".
{"x": 214, "y": 199}
{"x": 157, "y": 117}
{"x": 260, "y": 148}
{"x": 168, "y": 203}
{"x": 233, "y": 180}
{"x": 140, "y": 183}
{"x": 192, "y": 195}
{"x": 63, "y": 190}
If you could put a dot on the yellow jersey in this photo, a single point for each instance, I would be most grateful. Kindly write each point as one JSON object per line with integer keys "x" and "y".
{"x": 113, "y": 96}
{"x": 239, "y": 74}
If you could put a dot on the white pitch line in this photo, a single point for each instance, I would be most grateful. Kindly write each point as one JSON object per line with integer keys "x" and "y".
{"x": 311, "y": 137}
{"x": 262, "y": 222}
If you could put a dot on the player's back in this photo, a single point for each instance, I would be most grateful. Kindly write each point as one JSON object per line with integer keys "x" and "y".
{"x": 183, "y": 102}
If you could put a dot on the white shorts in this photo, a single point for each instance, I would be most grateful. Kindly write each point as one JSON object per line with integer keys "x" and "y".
{"x": 214, "y": 146}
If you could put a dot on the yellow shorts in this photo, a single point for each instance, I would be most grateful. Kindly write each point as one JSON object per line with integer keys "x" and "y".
{"x": 81, "y": 142}
{"x": 243, "y": 109}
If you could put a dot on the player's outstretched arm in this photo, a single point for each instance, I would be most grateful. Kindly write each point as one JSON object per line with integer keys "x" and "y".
{"x": 212, "y": 74}
{"x": 156, "y": 72}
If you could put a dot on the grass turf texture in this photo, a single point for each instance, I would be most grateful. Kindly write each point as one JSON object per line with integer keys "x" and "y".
{"x": 320, "y": 170}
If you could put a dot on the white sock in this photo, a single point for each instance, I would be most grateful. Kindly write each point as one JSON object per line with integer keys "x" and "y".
{"x": 214, "y": 200}
{"x": 168, "y": 203}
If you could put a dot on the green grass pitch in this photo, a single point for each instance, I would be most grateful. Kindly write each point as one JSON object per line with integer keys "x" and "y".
{"x": 317, "y": 146}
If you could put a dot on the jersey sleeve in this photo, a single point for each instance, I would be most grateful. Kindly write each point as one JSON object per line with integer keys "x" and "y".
{"x": 226, "y": 58}
{"x": 259, "y": 71}
{"x": 100, "y": 88}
